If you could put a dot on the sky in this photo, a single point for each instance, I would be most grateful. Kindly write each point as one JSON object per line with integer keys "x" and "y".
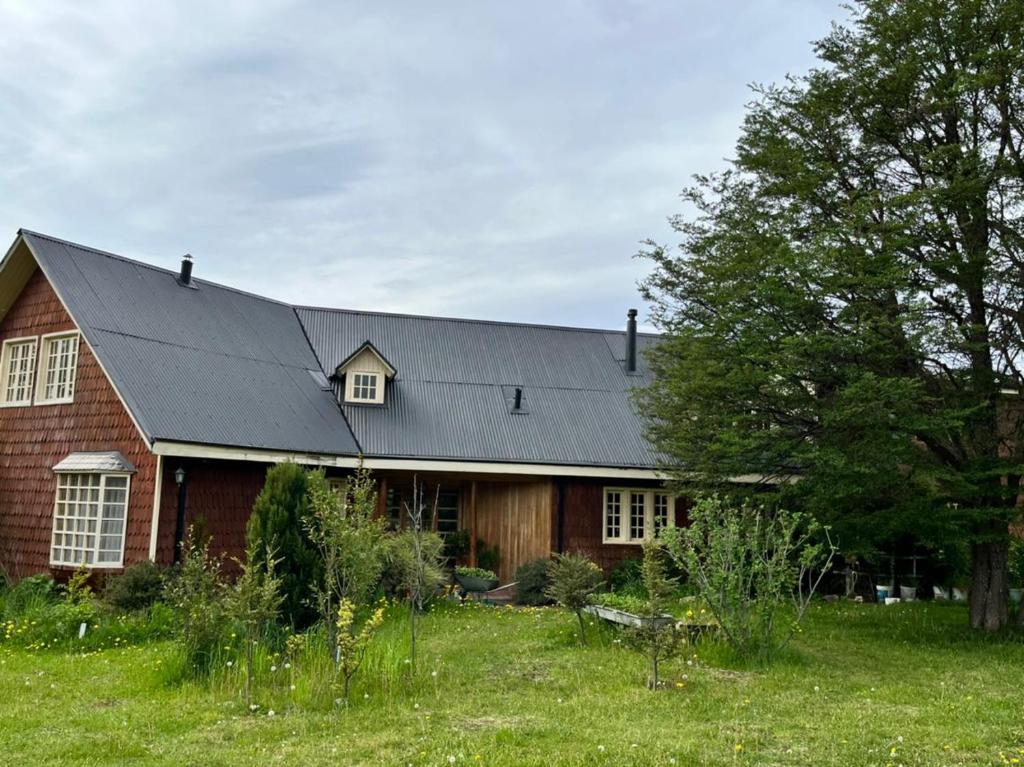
{"x": 484, "y": 159}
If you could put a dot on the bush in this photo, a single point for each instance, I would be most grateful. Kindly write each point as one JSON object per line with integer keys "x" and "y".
{"x": 746, "y": 563}
{"x": 657, "y": 640}
{"x": 487, "y": 557}
{"x": 532, "y": 582}
{"x": 404, "y": 573}
{"x": 28, "y": 595}
{"x": 476, "y": 572}
{"x": 628, "y": 576}
{"x": 137, "y": 588}
{"x": 197, "y": 595}
{"x": 279, "y": 522}
{"x": 574, "y": 580}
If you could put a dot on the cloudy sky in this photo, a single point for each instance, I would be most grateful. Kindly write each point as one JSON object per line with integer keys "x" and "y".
{"x": 479, "y": 158}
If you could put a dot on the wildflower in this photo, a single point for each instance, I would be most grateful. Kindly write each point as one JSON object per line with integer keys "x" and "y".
{"x": 292, "y": 687}
{"x": 254, "y": 706}
{"x": 738, "y": 747}
{"x": 415, "y": 705}
{"x": 287, "y": 665}
{"x": 230, "y": 664}
{"x": 451, "y": 759}
{"x": 600, "y": 749}
{"x": 433, "y": 674}
{"x": 270, "y": 712}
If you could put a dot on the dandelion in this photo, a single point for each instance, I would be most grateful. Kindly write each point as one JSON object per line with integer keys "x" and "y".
{"x": 254, "y": 706}
{"x": 230, "y": 664}
{"x": 270, "y": 712}
{"x": 451, "y": 759}
{"x": 416, "y": 705}
{"x": 292, "y": 687}
{"x": 287, "y": 665}
{"x": 738, "y": 748}
{"x": 273, "y": 669}
{"x": 600, "y": 749}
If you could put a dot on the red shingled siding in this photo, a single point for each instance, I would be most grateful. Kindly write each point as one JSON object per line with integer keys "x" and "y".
{"x": 583, "y": 509}
{"x": 221, "y": 493}
{"x": 34, "y": 438}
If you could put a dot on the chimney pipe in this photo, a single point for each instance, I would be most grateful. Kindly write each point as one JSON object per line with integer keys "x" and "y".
{"x": 631, "y": 341}
{"x": 518, "y": 400}
{"x": 185, "y": 277}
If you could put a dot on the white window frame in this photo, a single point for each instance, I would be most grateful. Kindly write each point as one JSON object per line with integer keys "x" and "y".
{"x": 43, "y": 359}
{"x": 98, "y": 534}
{"x": 350, "y": 387}
{"x": 625, "y": 508}
{"x": 5, "y": 363}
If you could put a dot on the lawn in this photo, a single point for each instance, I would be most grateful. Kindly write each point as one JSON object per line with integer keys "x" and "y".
{"x": 862, "y": 685}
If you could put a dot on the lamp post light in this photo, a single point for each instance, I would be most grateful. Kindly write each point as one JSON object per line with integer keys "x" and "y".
{"x": 179, "y": 528}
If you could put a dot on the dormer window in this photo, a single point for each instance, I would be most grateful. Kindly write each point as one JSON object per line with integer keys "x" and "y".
{"x": 364, "y": 387}
{"x": 365, "y": 372}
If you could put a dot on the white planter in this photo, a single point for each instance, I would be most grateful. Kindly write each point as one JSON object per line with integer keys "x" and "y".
{"x": 908, "y": 593}
{"x": 940, "y": 594}
{"x": 623, "y": 618}
{"x": 959, "y": 595}
{"x": 1016, "y": 595}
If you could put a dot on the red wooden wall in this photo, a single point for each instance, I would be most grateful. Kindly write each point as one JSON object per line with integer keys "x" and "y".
{"x": 34, "y": 438}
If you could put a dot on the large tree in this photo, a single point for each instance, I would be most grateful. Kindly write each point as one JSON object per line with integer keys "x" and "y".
{"x": 845, "y": 304}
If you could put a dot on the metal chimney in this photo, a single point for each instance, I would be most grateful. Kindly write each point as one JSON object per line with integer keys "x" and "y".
{"x": 631, "y": 341}
{"x": 185, "y": 277}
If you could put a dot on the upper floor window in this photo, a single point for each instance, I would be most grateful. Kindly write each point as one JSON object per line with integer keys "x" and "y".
{"x": 365, "y": 387}
{"x": 18, "y": 367}
{"x": 58, "y": 368}
{"x": 632, "y": 515}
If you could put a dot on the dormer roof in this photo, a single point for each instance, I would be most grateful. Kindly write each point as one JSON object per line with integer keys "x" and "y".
{"x": 366, "y": 346}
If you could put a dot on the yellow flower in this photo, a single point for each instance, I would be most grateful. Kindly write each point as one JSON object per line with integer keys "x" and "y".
{"x": 739, "y": 747}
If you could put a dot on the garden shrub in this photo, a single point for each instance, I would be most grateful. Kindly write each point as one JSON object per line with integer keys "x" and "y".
{"x": 254, "y": 601}
{"x": 280, "y": 522}
{"x": 747, "y": 564}
{"x": 28, "y": 595}
{"x": 532, "y": 582}
{"x": 405, "y": 573}
{"x": 627, "y": 576}
{"x": 137, "y": 588}
{"x": 656, "y": 638}
{"x": 574, "y": 580}
{"x": 196, "y": 592}
{"x": 487, "y": 557}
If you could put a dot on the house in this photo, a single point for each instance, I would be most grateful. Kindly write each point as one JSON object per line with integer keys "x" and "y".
{"x": 136, "y": 399}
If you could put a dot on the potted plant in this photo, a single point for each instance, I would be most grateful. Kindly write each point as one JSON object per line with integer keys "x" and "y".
{"x": 476, "y": 579}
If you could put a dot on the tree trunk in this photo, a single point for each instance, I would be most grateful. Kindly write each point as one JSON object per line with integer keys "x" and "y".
{"x": 1020, "y": 615}
{"x": 583, "y": 631}
{"x": 989, "y": 585}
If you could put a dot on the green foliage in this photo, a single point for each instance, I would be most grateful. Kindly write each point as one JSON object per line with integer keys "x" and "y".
{"x": 254, "y": 602}
{"x": 349, "y": 540}
{"x": 574, "y": 581}
{"x": 658, "y": 638}
{"x": 407, "y": 571}
{"x": 279, "y": 522}
{"x": 137, "y": 588}
{"x": 27, "y": 595}
{"x": 1017, "y": 562}
{"x": 353, "y": 640}
{"x": 487, "y": 557}
{"x": 476, "y": 572}
{"x": 748, "y": 564}
{"x": 532, "y": 582}
{"x": 628, "y": 576}
{"x": 197, "y": 594}
{"x": 844, "y": 301}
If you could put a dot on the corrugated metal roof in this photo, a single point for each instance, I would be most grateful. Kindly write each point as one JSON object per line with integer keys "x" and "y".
{"x": 107, "y": 461}
{"x": 449, "y": 397}
{"x": 213, "y": 365}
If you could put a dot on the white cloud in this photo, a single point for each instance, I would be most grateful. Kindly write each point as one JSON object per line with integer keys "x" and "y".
{"x": 486, "y": 159}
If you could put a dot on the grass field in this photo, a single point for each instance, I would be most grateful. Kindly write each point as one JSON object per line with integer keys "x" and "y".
{"x": 863, "y": 685}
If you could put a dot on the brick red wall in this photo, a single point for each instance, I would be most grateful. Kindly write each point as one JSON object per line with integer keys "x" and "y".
{"x": 34, "y": 438}
{"x": 220, "y": 492}
{"x": 583, "y": 510}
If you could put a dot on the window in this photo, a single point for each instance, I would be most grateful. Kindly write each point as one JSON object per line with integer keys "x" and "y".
{"x": 89, "y": 519}
{"x": 646, "y": 513}
{"x": 19, "y": 367}
{"x": 365, "y": 387}
{"x": 58, "y": 366}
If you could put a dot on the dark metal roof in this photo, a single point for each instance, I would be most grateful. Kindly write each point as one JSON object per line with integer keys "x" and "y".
{"x": 448, "y": 400}
{"x": 212, "y": 365}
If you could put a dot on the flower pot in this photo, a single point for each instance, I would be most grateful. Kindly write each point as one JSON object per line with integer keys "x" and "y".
{"x": 881, "y": 593}
{"x": 1016, "y": 595}
{"x": 474, "y": 584}
{"x": 908, "y": 593}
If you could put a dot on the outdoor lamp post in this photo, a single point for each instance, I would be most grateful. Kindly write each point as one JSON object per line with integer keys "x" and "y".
{"x": 179, "y": 528}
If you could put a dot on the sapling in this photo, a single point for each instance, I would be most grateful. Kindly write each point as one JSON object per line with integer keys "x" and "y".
{"x": 574, "y": 580}
{"x": 254, "y": 601}
{"x": 353, "y": 640}
{"x": 657, "y": 636}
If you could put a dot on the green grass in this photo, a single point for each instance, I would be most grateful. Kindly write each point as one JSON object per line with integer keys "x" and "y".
{"x": 863, "y": 685}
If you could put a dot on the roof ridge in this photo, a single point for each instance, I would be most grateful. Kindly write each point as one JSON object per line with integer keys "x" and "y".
{"x": 154, "y": 267}
{"x": 468, "y": 320}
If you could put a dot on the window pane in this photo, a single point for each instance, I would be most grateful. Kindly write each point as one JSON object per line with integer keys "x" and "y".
{"x": 60, "y": 358}
{"x": 661, "y": 511}
{"x": 637, "y": 513}
{"x": 613, "y": 514}
{"x": 17, "y": 375}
